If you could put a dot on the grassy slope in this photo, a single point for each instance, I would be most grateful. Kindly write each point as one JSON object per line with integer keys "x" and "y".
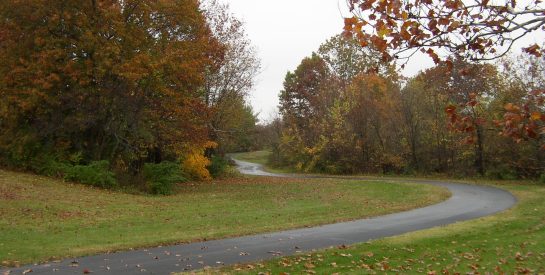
{"x": 512, "y": 242}
{"x": 43, "y": 219}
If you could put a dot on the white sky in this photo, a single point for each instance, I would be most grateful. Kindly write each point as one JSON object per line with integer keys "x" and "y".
{"x": 286, "y": 31}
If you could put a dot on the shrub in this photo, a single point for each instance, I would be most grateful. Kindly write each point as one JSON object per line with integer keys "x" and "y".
{"x": 97, "y": 174}
{"x": 194, "y": 165}
{"x": 162, "y": 177}
{"x": 49, "y": 166}
{"x": 218, "y": 166}
{"x": 542, "y": 178}
{"x": 501, "y": 173}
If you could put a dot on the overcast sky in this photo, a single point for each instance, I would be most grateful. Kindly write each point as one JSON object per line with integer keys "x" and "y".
{"x": 286, "y": 31}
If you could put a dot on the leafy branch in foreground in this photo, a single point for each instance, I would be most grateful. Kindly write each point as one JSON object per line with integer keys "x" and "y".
{"x": 478, "y": 29}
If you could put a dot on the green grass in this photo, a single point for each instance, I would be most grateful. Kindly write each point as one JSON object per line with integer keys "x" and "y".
{"x": 512, "y": 242}
{"x": 45, "y": 219}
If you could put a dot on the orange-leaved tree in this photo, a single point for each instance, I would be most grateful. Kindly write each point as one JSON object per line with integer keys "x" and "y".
{"x": 102, "y": 80}
{"x": 476, "y": 30}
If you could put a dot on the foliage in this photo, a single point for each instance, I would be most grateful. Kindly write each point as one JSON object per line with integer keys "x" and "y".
{"x": 470, "y": 31}
{"x": 194, "y": 162}
{"x": 479, "y": 30}
{"x": 337, "y": 111}
{"x": 501, "y": 172}
{"x": 162, "y": 177}
{"x": 121, "y": 81}
{"x": 96, "y": 173}
{"x": 218, "y": 166}
{"x": 237, "y": 132}
{"x": 443, "y": 120}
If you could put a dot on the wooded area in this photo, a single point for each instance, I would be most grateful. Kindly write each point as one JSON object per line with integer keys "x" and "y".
{"x": 479, "y": 111}
{"x": 151, "y": 93}
{"x": 108, "y": 92}
{"x": 345, "y": 111}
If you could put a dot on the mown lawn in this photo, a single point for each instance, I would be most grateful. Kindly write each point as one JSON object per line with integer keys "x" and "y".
{"x": 512, "y": 242}
{"x": 45, "y": 219}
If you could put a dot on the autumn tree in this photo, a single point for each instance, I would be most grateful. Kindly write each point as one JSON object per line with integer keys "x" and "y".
{"x": 342, "y": 115}
{"x": 373, "y": 115}
{"x": 103, "y": 80}
{"x": 303, "y": 101}
{"x": 239, "y": 121}
{"x": 518, "y": 111}
{"x": 338, "y": 111}
{"x": 346, "y": 59}
{"x": 472, "y": 30}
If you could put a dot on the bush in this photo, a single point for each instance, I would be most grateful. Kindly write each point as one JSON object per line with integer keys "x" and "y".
{"x": 218, "y": 166}
{"x": 162, "y": 177}
{"x": 501, "y": 173}
{"x": 97, "y": 174}
{"x": 49, "y": 166}
{"x": 542, "y": 178}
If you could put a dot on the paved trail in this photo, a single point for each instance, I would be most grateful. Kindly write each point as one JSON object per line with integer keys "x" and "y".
{"x": 467, "y": 202}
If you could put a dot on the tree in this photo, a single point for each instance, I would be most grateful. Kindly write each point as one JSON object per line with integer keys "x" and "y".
{"x": 472, "y": 30}
{"x": 239, "y": 120}
{"x": 229, "y": 79}
{"x": 113, "y": 80}
{"x": 346, "y": 59}
{"x": 524, "y": 116}
{"x": 304, "y": 96}
{"x": 470, "y": 88}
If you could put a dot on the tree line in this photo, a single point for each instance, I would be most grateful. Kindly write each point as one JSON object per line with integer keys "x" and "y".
{"x": 345, "y": 110}
{"x": 108, "y": 88}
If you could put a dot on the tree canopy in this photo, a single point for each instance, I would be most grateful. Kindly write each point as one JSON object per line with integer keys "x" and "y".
{"x": 129, "y": 82}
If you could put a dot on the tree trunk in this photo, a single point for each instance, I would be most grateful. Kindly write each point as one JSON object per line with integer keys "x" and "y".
{"x": 479, "y": 152}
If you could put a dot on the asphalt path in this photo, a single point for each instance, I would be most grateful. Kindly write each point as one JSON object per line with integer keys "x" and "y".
{"x": 467, "y": 202}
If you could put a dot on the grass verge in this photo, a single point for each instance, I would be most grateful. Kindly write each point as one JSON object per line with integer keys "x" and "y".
{"x": 511, "y": 242}
{"x": 46, "y": 219}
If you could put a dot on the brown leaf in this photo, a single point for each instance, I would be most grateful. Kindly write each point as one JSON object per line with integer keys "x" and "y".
{"x": 536, "y": 116}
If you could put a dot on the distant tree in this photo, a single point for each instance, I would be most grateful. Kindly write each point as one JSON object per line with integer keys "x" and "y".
{"x": 229, "y": 79}
{"x": 239, "y": 121}
{"x": 470, "y": 88}
{"x": 346, "y": 59}
{"x": 304, "y": 95}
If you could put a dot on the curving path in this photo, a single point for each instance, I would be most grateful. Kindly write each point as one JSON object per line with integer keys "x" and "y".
{"x": 467, "y": 202}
